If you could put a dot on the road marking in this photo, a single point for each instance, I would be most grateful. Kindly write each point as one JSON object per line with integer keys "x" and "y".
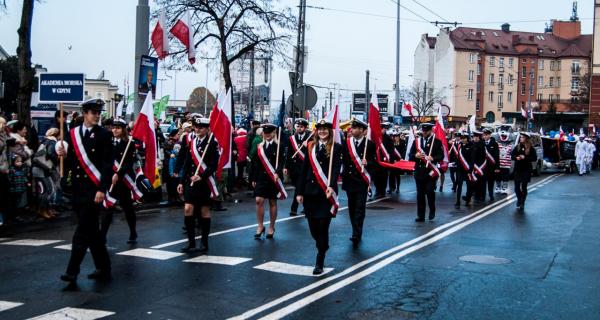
{"x": 65, "y": 247}
{"x": 151, "y": 254}
{"x": 30, "y": 242}
{"x": 4, "y": 239}
{"x": 288, "y": 268}
{"x": 229, "y": 261}
{"x": 379, "y": 256}
{"x": 74, "y": 314}
{"x": 168, "y": 244}
{"x": 6, "y": 305}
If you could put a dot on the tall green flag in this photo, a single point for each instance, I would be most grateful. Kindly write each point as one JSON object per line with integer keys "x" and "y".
{"x": 161, "y": 106}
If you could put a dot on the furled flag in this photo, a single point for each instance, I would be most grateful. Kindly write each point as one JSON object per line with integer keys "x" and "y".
{"x": 130, "y": 100}
{"x": 472, "y": 126}
{"x": 160, "y": 40}
{"x": 221, "y": 127}
{"x": 523, "y": 113}
{"x": 119, "y": 112}
{"x": 333, "y": 117}
{"x": 531, "y": 113}
{"x": 182, "y": 30}
{"x": 541, "y": 131}
{"x": 440, "y": 134}
{"x": 375, "y": 134}
{"x": 143, "y": 130}
{"x": 411, "y": 141}
{"x": 561, "y": 132}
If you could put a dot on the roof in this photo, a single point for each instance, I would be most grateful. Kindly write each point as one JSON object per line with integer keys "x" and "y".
{"x": 3, "y": 53}
{"x": 495, "y": 41}
{"x": 431, "y": 41}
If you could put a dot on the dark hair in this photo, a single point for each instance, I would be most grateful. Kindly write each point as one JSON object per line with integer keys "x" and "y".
{"x": 18, "y": 126}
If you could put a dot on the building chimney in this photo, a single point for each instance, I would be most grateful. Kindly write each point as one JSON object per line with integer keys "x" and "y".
{"x": 568, "y": 30}
{"x": 505, "y": 27}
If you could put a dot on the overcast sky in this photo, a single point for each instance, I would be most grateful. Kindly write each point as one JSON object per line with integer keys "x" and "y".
{"x": 344, "y": 40}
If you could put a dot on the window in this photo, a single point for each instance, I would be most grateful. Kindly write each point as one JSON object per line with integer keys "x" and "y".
{"x": 522, "y": 104}
{"x": 470, "y": 95}
{"x": 501, "y": 79}
{"x": 575, "y": 67}
{"x": 471, "y": 75}
{"x": 472, "y": 57}
{"x": 501, "y": 63}
{"x": 500, "y": 100}
{"x": 522, "y": 89}
{"x": 524, "y": 60}
{"x": 509, "y": 97}
{"x": 575, "y": 84}
{"x": 558, "y": 97}
{"x": 551, "y": 82}
{"x": 552, "y": 65}
{"x": 532, "y": 74}
{"x": 490, "y": 117}
{"x": 477, "y": 105}
{"x": 478, "y": 86}
{"x": 478, "y": 68}
{"x": 510, "y": 62}
{"x": 491, "y": 78}
{"x": 540, "y": 81}
{"x": 492, "y": 61}
{"x": 540, "y": 97}
{"x": 541, "y": 64}
{"x": 510, "y": 79}
{"x": 558, "y": 82}
{"x": 558, "y": 65}
{"x": 524, "y": 72}
{"x": 491, "y": 96}
{"x": 551, "y": 98}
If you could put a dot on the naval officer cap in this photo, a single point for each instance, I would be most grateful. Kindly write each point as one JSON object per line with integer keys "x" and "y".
{"x": 385, "y": 125}
{"x": 357, "y": 123}
{"x": 301, "y": 122}
{"x": 324, "y": 123}
{"x": 426, "y": 126}
{"x": 268, "y": 127}
{"x": 118, "y": 122}
{"x": 92, "y": 104}
{"x": 487, "y": 131}
{"x": 525, "y": 134}
{"x": 477, "y": 133}
{"x": 201, "y": 122}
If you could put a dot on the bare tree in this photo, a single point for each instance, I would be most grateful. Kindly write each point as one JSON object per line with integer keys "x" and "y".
{"x": 196, "y": 101}
{"x": 233, "y": 28}
{"x": 25, "y": 69}
{"x": 422, "y": 99}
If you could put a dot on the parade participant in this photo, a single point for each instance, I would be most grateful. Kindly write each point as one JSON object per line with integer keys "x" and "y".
{"x": 505, "y": 150}
{"x": 296, "y": 153}
{"x": 399, "y": 149}
{"x": 453, "y": 158}
{"x": 464, "y": 168}
{"x": 356, "y": 179}
{"x": 523, "y": 155}
{"x": 590, "y": 150}
{"x": 427, "y": 152}
{"x": 386, "y": 154}
{"x": 89, "y": 158}
{"x": 492, "y": 155}
{"x": 317, "y": 187}
{"x": 479, "y": 166}
{"x": 266, "y": 179}
{"x": 123, "y": 188}
{"x": 580, "y": 154}
{"x": 198, "y": 184}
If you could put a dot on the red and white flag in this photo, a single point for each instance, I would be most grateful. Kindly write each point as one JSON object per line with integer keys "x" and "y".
{"x": 531, "y": 113}
{"x": 440, "y": 134}
{"x": 182, "y": 30}
{"x": 333, "y": 117}
{"x": 221, "y": 127}
{"x": 143, "y": 130}
{"x": 160, "y": 40}
{"x": 375, "y": 134}
{"x": 409, "y": 108}
{"x": 523, "y": 113}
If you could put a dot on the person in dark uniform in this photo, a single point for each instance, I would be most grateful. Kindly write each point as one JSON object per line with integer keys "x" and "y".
{"x": 294, "y": 159}
{"x": 399, "y": 149}
{"x": 356, "y": 179}
{"x": 122, "y": 190}
{"x": 90, "y": 160}
{"x": 492, "y": 156}
{"x": 463, "y": 167}
{"x": 427, "y": 152}
{"x": 198, "y": 186}
{"x": 479, "y": 166}
{"x": 523, "y": 155}
{"x": 452, "y": 155}
{"x": 316, "y": 191}
{"x": 266, "y": 181}
{"x": 386, "y": 154}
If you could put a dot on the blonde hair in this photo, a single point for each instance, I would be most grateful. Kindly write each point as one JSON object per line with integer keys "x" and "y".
{"x": 52, "y": 132}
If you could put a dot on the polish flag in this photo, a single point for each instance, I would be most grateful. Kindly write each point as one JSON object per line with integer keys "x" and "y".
{"x": 221, "y": 127}
{"x": 374, "y": 121}
{"x": 524, "y": 113}
{"x": 160, "y": 40}
{"x": 333, "y": 117}
{"x": 143, "y": 130}
{"x": 409, "y": 108}
{"x": 182, "y": 30}
{"x": 440, "y": 134}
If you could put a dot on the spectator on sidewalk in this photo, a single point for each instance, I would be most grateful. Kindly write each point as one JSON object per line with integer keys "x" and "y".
{"x": 46, "y": 174}
{"x": 241, "y": 141}
{"x": 19, "y": 183}
{"x": 4, "y": 165}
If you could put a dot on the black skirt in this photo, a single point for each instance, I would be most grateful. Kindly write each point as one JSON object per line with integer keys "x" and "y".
{"x": 317, "y": 206}
{"x": 198, "y": 194}
{"x": 266, "y": 189}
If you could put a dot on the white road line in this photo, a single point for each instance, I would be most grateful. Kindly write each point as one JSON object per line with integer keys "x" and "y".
{"x": 363, "y": 263}
{"x": 4, "y": 239}
{"x": 30, "y": 242}
{"x": 74, "y": 314}
{"x": 229, "y": 261}
{"x": 288, "y": 268}
{"x": 168, "y": 244}
{"x": 151, "y": 254}
{"x": 65, "y": 247}
{"x": 7, "y": 305}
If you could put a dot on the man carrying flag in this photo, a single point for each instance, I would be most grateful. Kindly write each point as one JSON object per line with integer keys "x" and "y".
{"x": 296, "y": 154}
{"x": 427, "y": 152}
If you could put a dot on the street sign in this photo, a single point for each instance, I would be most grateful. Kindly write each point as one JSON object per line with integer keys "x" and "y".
{"x": 358, "y": 102}
{"x": 305, "y": 98}
{"x": 61, "y": 87}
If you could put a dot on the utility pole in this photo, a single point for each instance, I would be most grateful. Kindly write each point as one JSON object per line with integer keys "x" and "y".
{"x": 299, "y": 59}
{"x": 330, "y": 100}
{"x": 397, "y": 91}
{"x": 424, "y": 105}
{"x": 206, "y": 90}
{"x": 142, "y": 30}
{"x": 251, "y": 91}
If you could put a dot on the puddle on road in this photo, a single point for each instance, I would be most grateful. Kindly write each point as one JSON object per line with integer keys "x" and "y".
{"x": 483, "y": 259}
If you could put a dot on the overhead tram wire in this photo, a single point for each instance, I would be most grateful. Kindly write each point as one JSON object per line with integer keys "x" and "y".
{"x": 431, "y": 11}
{"x": 363, "y": 13}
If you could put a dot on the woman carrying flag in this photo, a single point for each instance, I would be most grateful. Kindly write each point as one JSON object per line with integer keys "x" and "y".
{"x": 317, "y": 187}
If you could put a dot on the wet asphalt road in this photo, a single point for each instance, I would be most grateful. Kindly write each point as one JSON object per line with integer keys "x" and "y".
{"x": 479, "y": 262}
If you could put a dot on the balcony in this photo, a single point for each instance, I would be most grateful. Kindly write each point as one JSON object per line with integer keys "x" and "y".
{"x": 501, "y": 69}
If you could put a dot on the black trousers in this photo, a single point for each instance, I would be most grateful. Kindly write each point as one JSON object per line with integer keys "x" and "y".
{"x": 453, "y": 177}
{"x": 461, "y": 178}
{"x": 294, "y": 180}
{"x": 88, "y": 235}
{"x": 394, "y": 180}
{"x": 123, "y": 196}
{"x": 380, "y": 179}
{"x": 357, "y": 203}
{"x": 490, "y": 180}
{"x": 319, "y": 229}
{"x": 521, "y": 190}
{"x": 479, "y": 188}
{"x": 425, "y": 189}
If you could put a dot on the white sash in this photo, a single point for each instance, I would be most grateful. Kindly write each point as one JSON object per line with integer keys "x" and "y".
{"x": 434, "y": 172}
{"x": 297, "y": 149}
{"x": 281, "y": 194}
{"x": 197, "y": 157}
{"x": 82, "y": 156}
{"x": 357, "y": 160}
{"x": 322, "y": 179}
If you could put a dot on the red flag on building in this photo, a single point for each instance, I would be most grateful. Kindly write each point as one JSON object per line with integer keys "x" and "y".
{"x": 160, "y": 40}
{"x": 143, "y": 130}
{"x": 182, "y": 30}
{"x": 221, "y": 127}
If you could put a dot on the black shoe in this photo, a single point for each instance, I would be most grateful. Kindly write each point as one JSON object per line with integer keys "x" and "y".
{"x": 441, "y": 188}
{"x": 203, "y": 249}
{"x": 132, "y": 238}
{"x": 492, "y": 198}
{"x": 132, "y": 241}
{"x": 188, "y": 249}
{"x": 259, "y": 235}
{"x": 293, "y": 214}
{"x": 220, "y": 208}
{"x": 271, "y": 235}
{"x": 302, "y": 212}
{"x": 319, "y": 264}
{"x": 99, "y": 275}
{"x": 457, "y": 205}
{"x": 419, "y": 219}
{"x": 68, "y": 278}
{"x": 431, "y": 216}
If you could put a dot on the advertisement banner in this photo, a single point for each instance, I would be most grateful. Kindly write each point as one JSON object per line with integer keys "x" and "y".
{"x": 147, "y": 76}
{"x": 358, "y": 102}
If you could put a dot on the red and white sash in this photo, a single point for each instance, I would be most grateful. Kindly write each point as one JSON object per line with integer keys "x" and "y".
{"x": 281, "y": 194}
{"x": 465, "y": 164}
{"x": 322, "y": 179}
{"x": 197, "y": 157}
{"x": 297, "y": 148}
{"x": 357, "y": 160}
{"x": 84, "y": 160}
{"x": 479, "y": 169}
{"x": 190, "y": 138}
{"x": 489, "y": 157}
{"x": 136, "y": 194}
{"x": 453, "y": 149}
{"x": 386, "y": 155}
{"x": 434, "y": 171}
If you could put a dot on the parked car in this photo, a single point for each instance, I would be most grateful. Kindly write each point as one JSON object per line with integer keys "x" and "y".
{"x": 559, "y": 154}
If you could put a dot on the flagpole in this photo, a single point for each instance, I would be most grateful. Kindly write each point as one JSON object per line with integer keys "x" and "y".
{"x": 330, "y": 162}
{"x": 121, "y": 162}
{"x": 202, "y": 158}
{"x": 299, "y": 149}
{"x": 62, "y": 137}
{"x": 362, "y": 166}
{"x": 278, "y": 147}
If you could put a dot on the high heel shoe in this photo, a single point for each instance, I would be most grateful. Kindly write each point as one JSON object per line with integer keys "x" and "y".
{"x": 259, "y": 235}
{"x": 270, "y": 235}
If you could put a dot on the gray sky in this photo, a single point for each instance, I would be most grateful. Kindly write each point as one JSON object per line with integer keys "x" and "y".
{"x": 341, "y": 44}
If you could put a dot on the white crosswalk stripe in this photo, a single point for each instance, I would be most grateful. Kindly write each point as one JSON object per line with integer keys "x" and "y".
{"x": 229, "y": 261}
{"x": 151, "y": 254}
{"x": 74, "y": 314}
{"x": 287, "y": 268}
{"x": 4, "y": 239}
{"x": 30, "y": 242}
{"x": 7, "y": 305}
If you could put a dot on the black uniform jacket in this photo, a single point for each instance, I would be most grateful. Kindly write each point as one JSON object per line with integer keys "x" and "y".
{"x": 211, "y": 160}
{"x": 118, "y": 151}
{"x": 307, "y": 182}
{"x": 492, "y": 148}
{"x": 523, "y": 168}
{"x": 478, "y": 154}
{"x": 352, "y": 180}
{"x": 437, "y": 153}
{"x": 294, "y": 165}
{"x": 467, "y": 154}
{"x": 259, "y": 173}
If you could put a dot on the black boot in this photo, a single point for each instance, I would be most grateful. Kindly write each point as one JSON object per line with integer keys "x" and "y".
{"x": 191, "y": 234}
{"x": 205, "y": 232}
{"x": 319, "y": 264}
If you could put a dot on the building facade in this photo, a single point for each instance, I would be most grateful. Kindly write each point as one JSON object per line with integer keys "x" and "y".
{"x": 496, "y": 73}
